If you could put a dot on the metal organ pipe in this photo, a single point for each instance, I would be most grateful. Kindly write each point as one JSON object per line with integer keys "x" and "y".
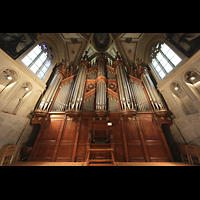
{"x": 105, "y": 97}
{"x": 75, "y": 90}
{"x": 97, "y": 98}
{"x": 127, "y": 88}
{"x": 101, "y": 86}
{"x": 124, "y": 89}
{"x": 62, "y": 99}
{"x": 148, "y": 93}
{"x": 152, "y": 92}
{"x": 77, "y": 93}
{"x": 54, "y": 90}
{"x": 134, "y": 95}
{"x": 77, "y": 87}
{"x": 79, "y": 99}
{"x": 120, "y": 90}
{"x": 50, "y": 93}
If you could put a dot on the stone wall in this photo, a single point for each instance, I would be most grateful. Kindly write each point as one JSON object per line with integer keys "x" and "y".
{"x": 186, "y": 126}
{"x": 14, "y": 129}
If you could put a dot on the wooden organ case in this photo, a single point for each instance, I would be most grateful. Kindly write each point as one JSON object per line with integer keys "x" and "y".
{"x": 101, "y": 114}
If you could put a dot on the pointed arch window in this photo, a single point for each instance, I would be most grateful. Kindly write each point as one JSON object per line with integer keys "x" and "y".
{"x": 164, "y": 59}
{"x": 39, "y": 60}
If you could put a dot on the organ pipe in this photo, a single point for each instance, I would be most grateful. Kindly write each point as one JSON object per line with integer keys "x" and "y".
{"x": 101, "y": 85}
{"x": 79, "y": 85}
{"x": 51, "y": 91}
{"x": 62, "y": 100}
{"x": 154, "y": 97}
{"x": 132, "y": 96}
{"x": 124, "y": 89}
{"x": 140, "y": 99}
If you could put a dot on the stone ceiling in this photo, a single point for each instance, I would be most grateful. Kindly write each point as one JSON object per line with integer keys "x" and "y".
{"x": 78, "y": 43}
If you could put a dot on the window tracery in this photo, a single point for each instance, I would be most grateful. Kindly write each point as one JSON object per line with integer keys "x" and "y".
{"x": 163, "y": 59}
{"x": 39, "y": 59}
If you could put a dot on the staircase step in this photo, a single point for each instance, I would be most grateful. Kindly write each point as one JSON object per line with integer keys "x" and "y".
{"x": 100, "y": 160}
{"x": 102, "y": 164}
{"x": 100, "y": 149}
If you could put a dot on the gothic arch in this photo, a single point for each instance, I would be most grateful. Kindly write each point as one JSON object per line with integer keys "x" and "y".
{"x": 182, "y": 98}
{"x": 144, "y": 48}
{"x": 18, "y": 97}
{"x": 8, "y": 78}
{"x": 191, "y": 78}
{"x": 57, "y": 47}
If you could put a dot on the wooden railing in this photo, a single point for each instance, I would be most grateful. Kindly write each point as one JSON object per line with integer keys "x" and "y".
{"x": 100, "y": 154}
{"x": 189, "y": 153}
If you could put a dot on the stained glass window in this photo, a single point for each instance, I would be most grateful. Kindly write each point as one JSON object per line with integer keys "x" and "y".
{"x": 164, "y": 59}
{"x": 39, "y": 60}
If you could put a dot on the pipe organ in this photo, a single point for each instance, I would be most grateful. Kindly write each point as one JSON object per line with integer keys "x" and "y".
{"x": 51, "y": 91}
{"x": 124, "y": 88}
{"x": 77, "y": 92}
{"x": 153, "y": 95}
{"x": 101, "y": 85}
{"x": 140, "y": 99}
{"x": 80, "y": 101}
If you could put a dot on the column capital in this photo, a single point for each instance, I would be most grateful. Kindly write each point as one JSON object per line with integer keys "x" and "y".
{"x": 101, "y": 78}
{"x": 85, "y": 63}
{"x": 61, "y": 70}
{"x": 117, "y": 62}
{"x": 101, "y": 58}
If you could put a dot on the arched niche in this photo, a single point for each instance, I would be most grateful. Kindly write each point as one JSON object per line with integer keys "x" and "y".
{"x": 18, "y": 98}
{"x": 8, "y": 78}
{"x": 192, "y": 80}
{"x": 182, "y": 98}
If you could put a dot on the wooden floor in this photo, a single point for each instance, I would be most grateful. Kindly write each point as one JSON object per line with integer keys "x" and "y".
{"x": 84, "y": 164}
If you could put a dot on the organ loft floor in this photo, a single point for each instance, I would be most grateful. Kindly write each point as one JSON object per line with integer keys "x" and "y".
{"x": 84, "y": 164}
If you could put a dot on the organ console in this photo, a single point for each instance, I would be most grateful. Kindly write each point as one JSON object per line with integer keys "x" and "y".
{"x": 84, "y": 100}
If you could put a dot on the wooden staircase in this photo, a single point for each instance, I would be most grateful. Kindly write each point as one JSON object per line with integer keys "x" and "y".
{"x": 100, "y": 157}
{"x": 100, "y": 149}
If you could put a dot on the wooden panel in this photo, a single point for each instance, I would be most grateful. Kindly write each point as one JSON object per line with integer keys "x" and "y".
{"x": 82, "y": 140}
{"x": 131, "y": 131}
{"x": 83, "y": 136}
{"x": 157, "y": 153}
{"x": 81, "y": 153}
{"x": 117, "y": 131}
{"x": 64, "y": 153}
{"x": 99, "y": 125}
{"x": 136, "y": 153}
{"x": 51, "y": 130}
{"x": 44, "y": 152}
{"x": 119, "y": 153}
{"x": 150, "y": 130}
{"x": 69, "y": 132}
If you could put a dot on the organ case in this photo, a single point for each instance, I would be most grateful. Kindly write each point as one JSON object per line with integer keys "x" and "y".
{"x": 79, "y": 106}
